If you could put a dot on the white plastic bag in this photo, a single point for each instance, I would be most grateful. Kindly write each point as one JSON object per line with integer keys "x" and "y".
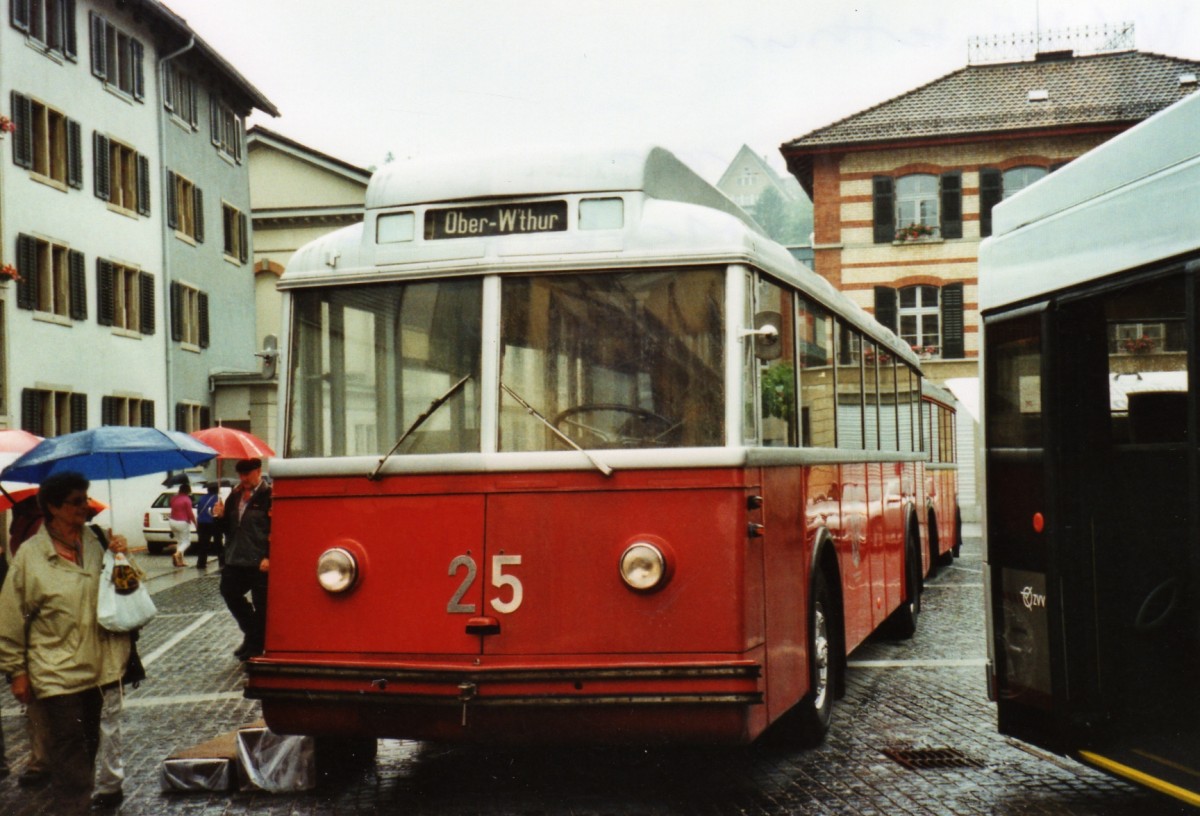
{"x": 275, "y": 762}
{"x": 117, "y": 612}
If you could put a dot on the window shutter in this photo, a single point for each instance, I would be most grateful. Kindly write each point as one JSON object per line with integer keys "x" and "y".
{"x": 147, "y": 417}
{"x": 78, "y": 285}
{"x": 70, "y": 49}
{"x": 148, "y": 316}
{"x": 20, "y": 15}
{"x": 198, "y": 207}
{"x": 244, "y": 251}
{"x": 951, "y": 188}
{"x": 143, "y": 184}
{"x": 202, "y": 307}
{"x": 991, "y": 191}
{"x": 79, "y": 420}
{"x": 952, "y": 322}
{"x": 214, "y": 120}
{"x": 100, "y": 160}
{"x": 885, "y": 306}
{"x": 74, "y": 155}
{"x": 176, "y": 315}
{"x": 193, "y": 102}
{"x": 884, "y": 206}
{"x": 138, "y": 51}
{"x": 27, "y": 287}
{"x": 205, "y": 417}
{"x": 99, "y": 52}
{"x": 181, "y": 414}
{"x": 1059, "y": 165}
{"x": 31, "y": 411}
{"x": 108, "y": 412}
{"x": 105, "y": 300}
{"x": 22, "y": 109}
{"x": 172, "y": 202}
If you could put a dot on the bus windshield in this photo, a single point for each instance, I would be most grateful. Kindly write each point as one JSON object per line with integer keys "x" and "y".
{"x": 368, "y": 361}
{"x": 618, "y": 360}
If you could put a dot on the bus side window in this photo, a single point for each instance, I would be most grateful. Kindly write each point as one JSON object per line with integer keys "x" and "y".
{"x": 777, "y": 378}
{"x": 850, "y": 410}
{"x": 814, "y": 328}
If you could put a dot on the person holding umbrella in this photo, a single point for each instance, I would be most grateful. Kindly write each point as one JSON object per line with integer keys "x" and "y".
{"x": 51, "y": 646}
{"x": 246, "y": 521}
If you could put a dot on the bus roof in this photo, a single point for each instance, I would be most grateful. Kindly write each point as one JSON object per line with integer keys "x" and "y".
{"x": 1130, "y": 202}
{"x": 672, "y": 217}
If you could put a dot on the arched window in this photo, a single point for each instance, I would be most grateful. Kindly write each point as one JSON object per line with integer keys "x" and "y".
{"x": 1018, "y": 178}
{"x": 917, "y": 201}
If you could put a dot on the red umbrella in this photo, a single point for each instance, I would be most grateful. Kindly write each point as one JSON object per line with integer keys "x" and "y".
{"x": 13, "y": 443}
{"x": 15, "y": 440}
{"x": 230, "y": 443}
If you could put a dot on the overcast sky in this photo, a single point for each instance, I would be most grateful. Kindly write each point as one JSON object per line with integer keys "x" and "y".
{"x": 364, "y": 78}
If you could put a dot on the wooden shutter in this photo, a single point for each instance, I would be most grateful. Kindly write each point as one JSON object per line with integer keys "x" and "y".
{"x": 193, "y": 102}
{"x": 27, "y": 287}
{"x": 885, "y": 306}
{"x": 31, "y": 411}
{"x": 181, "y": 417}
{"x": 172, "y": 202}
{"x": 70, "y": 47}
{"x": 147, "y": 414}
{"x": 951, "y": 188}
{"x": 176, "y": 311}
{"x": 214, "y": 120}
{"x": 105, "y": 292}
{"x": 22, "y": 110}
{"x": 991, "y": 191}
{"x": 108, "y": 411}
{"x": 198, "y": 208}
{"x": 244, "y": 249}
{"x": 147, "y": 291}
{"x": 138, "y": 52}
{"x": 952, "y": 322}
{"x": 143, "y": 184}
{"x": 884, "y": 208}
{"x": 99, "y": 46}
{"x": 205, "y": 417}
{"x": 77, "y": 278}
{"x": 79, "y": 421}
{"x": 202, "y": 308}
{"x": 74, "y": 155}
{"x": 100, "y": 162}
{"x": 20, "y": 15}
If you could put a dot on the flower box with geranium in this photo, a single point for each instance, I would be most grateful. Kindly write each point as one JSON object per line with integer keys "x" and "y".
{"x": 8, "y": 272}
{"x": 914, "y": 232}
{"x": 1138, "y": 345}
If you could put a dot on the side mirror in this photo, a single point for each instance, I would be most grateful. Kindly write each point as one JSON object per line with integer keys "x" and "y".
{"x": 767, "y": 334}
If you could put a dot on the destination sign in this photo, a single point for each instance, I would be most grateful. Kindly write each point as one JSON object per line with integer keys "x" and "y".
{"x": 496, "y": 219}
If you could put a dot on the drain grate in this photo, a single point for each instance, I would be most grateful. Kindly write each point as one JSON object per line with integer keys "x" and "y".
{"x": 921, "y": 759}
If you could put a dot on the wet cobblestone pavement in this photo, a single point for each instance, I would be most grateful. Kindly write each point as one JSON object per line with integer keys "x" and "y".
{"x": 924, "y": 694}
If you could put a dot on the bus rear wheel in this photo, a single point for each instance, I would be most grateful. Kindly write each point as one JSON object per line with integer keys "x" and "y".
{"x": 808, "y": 722}
{"x": 902, "y": 624}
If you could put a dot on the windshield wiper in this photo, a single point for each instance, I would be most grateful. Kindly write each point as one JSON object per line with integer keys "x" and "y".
{"x": 600, "y": 466}
{"x": 433, "y": 406}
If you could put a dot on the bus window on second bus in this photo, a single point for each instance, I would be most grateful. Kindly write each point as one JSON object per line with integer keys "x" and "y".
{"x": 617, "y": 360}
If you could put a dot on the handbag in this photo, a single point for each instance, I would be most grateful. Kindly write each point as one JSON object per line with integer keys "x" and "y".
{"x": 121, "y": 609}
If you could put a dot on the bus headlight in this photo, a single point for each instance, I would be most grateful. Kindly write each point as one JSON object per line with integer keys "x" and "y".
{"x": 643, "y": 566}
{"x": 337, "y": 570}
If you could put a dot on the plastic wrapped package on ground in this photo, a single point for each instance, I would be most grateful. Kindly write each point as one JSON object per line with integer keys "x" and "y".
{"x": 276, "y": 763}
{"x": 209, "y": 766}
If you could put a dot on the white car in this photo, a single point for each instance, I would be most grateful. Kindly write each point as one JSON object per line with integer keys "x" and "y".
{"x": 156, "y": 525}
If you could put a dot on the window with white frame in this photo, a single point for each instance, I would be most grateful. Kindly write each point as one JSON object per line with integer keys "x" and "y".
{"x": 226, "y": 129}
{"x": 117, "y": 58}
{"x": 236, "y": 241}
{"x": 1018, "y": 178}
{"x": 48, "y": 23}
{"x": 51, "y": 412}
{"x": 919, "y": 315}
{"x": 917, "y": 201}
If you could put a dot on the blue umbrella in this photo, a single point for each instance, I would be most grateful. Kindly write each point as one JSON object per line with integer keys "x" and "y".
{"x": 109, "y": 452}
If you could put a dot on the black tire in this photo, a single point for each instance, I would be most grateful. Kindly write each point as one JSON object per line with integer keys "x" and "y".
{"x": 902, "y": 624}
{"x": 808, "y": 723}
{"x": 957, "y": 549}
{"x": 336, "y": 757}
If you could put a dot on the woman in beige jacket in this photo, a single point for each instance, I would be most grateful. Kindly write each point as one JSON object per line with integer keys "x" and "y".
{"x": 51, "y": 646}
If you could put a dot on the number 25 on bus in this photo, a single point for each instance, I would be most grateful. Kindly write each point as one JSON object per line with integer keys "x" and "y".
{"x": 604, "y": 465}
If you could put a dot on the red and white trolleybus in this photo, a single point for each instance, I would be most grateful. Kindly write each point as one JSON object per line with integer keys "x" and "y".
{"x": 574, "y": 452}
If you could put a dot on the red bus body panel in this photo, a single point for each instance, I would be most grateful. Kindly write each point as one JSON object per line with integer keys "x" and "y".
{"x": 568, "y": 651}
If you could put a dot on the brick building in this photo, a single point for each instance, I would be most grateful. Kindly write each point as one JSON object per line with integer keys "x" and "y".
{"x": 902, "y": 192}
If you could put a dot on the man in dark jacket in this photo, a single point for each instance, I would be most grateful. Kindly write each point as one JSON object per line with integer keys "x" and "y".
{"x": 246, "y": 520}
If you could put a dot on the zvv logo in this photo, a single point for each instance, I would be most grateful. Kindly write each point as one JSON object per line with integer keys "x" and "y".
{"x": 1032, "y": 599}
